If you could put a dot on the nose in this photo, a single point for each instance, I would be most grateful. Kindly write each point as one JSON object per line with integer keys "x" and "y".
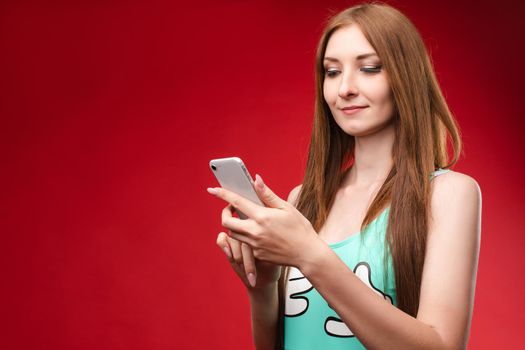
{"x": 347, "y": 87}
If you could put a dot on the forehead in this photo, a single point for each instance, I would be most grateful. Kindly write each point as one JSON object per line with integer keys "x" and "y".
{"x": 347, "y": 42}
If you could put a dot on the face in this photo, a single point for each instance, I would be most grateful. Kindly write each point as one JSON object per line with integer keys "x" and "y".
{"x": 354, "y": 77}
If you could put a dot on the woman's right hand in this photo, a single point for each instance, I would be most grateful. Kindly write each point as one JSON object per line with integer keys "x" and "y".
{"x": 254, "y": 273}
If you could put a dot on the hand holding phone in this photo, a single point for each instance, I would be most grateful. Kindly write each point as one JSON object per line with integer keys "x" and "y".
{"x": 233, "y": 175}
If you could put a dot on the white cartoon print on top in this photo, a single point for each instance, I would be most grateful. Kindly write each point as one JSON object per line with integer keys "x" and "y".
{"x": 297, "y": 284}
{"x": 297, "y": 303}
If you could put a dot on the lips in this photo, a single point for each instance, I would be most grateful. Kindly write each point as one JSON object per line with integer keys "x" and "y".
{"x": 352, "y": 107}
{"x": 351, "y": 110}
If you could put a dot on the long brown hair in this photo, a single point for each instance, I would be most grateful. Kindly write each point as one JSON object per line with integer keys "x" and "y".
{"x": 423, "y": 126}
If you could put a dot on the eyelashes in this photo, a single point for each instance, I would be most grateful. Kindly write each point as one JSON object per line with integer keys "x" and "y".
{"x": 368, "y": 70}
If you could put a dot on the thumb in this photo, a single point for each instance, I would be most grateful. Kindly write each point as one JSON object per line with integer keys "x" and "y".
{"x": 266, "y": 195}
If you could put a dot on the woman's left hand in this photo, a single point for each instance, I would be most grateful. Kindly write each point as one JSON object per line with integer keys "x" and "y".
{"x": 277, "y": 233}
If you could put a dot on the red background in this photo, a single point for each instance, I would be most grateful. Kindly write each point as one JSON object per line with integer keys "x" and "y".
{"x": 111, "y": 110}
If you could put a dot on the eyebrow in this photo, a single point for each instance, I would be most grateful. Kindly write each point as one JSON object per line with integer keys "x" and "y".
{"x": 360, "y": 57}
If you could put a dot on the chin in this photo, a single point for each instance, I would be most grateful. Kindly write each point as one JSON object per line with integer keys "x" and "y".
{"x": 360, "y": 132}
{"x": 357, "y": 133}
{"x": 357, "y": 129}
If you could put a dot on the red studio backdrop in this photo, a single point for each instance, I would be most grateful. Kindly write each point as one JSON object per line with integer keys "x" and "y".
{"x": 111, "y": 111}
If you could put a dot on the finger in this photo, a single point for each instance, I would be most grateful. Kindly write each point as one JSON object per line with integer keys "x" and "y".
{"x": 235, "y": 224}
{"x": 248, "y": 207}
{"x": 222, "y": 242}
{"x": 266, "y": 195}
{"x": 249, "y": 264}
{"x": 241, "y": 238}
{"x": 238, "y": 268}
{"x": 236, "y": 250}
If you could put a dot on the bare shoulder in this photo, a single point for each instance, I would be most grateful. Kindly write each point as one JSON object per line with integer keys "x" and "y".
{"x": 454, "y": 190}
{"x": 294, "y": 194}
{"x": 455, "y": 200}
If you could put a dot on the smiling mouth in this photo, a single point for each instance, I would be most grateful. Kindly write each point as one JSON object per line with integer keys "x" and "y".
{"x": 353, "y": 110}
{"x": 352, "y": 107}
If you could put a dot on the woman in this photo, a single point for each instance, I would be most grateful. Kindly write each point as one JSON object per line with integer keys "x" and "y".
{"x": 370, "y": 251}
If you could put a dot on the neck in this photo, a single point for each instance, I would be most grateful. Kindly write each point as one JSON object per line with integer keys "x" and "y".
{"x": 372, "y": 159}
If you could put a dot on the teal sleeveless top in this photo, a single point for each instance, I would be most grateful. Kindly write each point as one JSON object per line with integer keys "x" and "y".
{"x": 309, "y": 322}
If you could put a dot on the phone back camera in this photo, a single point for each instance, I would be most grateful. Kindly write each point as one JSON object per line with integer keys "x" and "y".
{"x": 214, "y": 167}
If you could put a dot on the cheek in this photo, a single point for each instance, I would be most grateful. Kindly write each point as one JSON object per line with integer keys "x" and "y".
{"x": 380, "y": 96}
{"x": 383, "y": 97}
{"x": 328, "y": 93}
{"x": 388, "y": 109}
{"x": 389, "y": 100}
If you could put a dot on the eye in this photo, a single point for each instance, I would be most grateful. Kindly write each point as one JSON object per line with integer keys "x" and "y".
{"x": 372, "y": 69}
{"x": 330, "y": 73}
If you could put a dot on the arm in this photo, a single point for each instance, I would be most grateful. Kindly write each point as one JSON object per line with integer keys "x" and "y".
{"x": 264, "y": 305}
{"x": 448, "y": 281}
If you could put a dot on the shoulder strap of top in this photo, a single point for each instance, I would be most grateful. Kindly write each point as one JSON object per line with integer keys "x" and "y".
{"x": 438, "y": 172}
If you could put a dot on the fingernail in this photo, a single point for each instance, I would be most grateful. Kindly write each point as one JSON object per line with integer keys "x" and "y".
{"x": 251, "y": 279}
{"x": 212, "y": 191}
{"x": 227, "y": 251}
{"x": 259, "y": 181}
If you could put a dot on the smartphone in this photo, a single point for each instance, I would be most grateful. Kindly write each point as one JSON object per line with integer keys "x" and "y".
{"x": 233, "y": 175}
